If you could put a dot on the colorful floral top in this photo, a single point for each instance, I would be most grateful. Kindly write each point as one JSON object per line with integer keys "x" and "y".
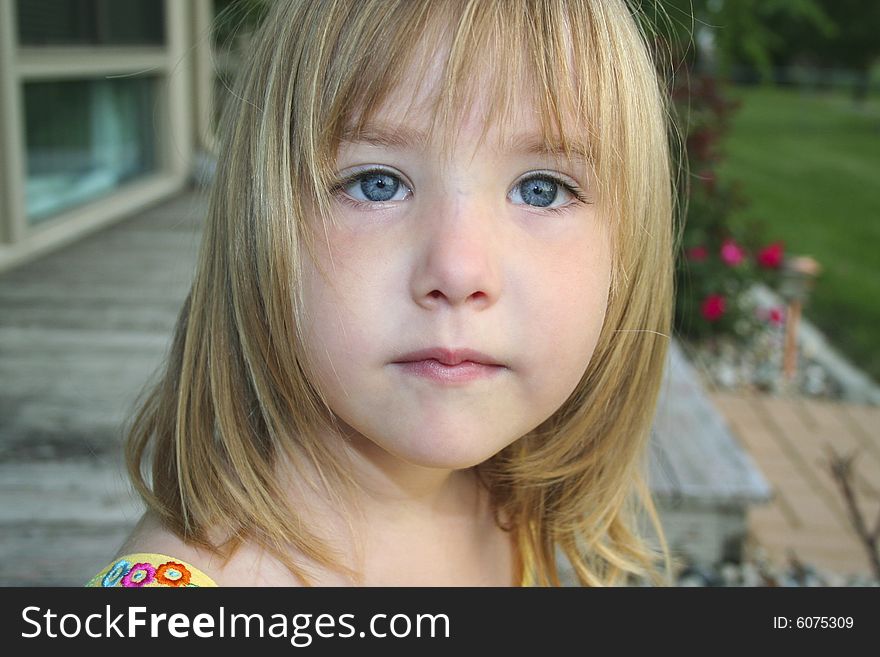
{"x": 146, "y": 569}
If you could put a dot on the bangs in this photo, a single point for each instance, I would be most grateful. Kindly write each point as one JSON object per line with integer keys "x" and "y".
{"x": 531, "y": 59}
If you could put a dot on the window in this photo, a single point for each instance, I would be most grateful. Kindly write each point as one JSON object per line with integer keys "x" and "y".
{"x": 90, "y": 22}
{"x": 105, "y": 136}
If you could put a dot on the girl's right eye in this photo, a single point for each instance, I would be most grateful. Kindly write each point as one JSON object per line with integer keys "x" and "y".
{"x": 375, "y": 186}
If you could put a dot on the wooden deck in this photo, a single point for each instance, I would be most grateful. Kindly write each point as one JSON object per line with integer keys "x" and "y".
{"x": 789, "y": 439}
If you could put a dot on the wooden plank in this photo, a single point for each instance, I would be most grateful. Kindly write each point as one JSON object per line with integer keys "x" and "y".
{"x": 704, "y": 459}
{"x": 81, "y": 331}
{"x": 787, "y": 429}
{"x": 786, "y": 441}
{"x": 771, "y": 460}
{"x": 827, "y": 422}
{"x": 57, "y": 554}
{"x": 816, "y": 425}
{"x": 62, "y": 521}
{"x": 865, "y": 423}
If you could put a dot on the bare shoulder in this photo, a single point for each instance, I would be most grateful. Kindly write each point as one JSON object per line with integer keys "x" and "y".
{"x": 150, "y": 535}
{"x": 248, "y": 566}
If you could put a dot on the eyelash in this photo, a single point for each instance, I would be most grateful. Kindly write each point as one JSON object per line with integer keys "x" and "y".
{"x": 576, "y": 192}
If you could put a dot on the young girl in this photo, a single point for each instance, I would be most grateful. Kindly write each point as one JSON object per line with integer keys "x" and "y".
{"x": 427, "y": 329}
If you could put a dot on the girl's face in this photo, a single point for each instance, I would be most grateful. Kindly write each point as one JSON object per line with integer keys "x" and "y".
{"x": 493, "y": 257}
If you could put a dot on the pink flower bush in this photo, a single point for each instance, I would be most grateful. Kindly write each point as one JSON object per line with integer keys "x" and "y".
{"x": 721, "y": 260}
{"x": 732, "y": 253}
{"x": 713, "y": 307}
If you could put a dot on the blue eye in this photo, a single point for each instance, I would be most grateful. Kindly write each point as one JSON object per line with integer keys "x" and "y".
{"x": 538, "y": 191}
{"x": 375, "y": 186}
{"x": 379, "y": 186}
{"x": 541, "y": 191}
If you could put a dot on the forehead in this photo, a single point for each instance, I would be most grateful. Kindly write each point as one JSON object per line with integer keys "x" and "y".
{"x": 500, "y": 111}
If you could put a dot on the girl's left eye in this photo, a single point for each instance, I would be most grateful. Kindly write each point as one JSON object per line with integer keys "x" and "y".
{"x": 543, "y": 191}
{"x": 375, "y": 186}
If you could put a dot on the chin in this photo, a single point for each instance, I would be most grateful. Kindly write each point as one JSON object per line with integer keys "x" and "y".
{"x": 455, "y": 452}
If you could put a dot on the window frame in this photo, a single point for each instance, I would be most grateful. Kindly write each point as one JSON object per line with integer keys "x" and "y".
{"x": 169, "y": 63}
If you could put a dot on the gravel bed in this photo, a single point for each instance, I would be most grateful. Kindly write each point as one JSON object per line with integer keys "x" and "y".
{"x": 760, "y": 571}
{"x": 756, "y": 365}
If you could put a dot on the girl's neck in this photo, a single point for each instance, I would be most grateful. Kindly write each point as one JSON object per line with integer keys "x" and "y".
{"x": 411, "y": 525}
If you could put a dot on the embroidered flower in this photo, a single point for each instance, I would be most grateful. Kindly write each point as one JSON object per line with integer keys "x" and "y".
{"x": 116, "y": 573}
{"x": 173, "y": 574}
{"x": 140, "y": 574}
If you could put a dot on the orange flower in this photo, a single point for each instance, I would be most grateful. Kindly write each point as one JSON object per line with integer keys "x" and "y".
{"x": 173, "y": 574}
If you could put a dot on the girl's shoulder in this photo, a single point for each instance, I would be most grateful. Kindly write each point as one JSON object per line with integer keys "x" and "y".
{"x": 154, "y": 556}
{"x": 140, "y": 569}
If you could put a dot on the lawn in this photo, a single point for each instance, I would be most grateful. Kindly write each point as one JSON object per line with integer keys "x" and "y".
{"x": 810, "y": 167}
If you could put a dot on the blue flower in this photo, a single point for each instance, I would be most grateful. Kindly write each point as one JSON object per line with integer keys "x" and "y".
{"x": 116, "y": 573}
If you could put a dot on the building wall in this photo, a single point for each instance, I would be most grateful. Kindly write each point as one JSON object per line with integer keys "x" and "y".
{"x": 37, "y": 80}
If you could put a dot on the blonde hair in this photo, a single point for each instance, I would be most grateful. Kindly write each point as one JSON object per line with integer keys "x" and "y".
{"x": 236, "y": 395}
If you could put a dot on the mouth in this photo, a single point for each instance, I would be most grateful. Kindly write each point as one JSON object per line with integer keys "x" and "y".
{"x": 449, "y": 357}
{"x": 449, "y": 365}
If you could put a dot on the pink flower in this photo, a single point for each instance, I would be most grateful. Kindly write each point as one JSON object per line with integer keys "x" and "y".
{"x": 713, "y": 307}
{"x": 697, "y": 253}
{"x": 774, "y": 315}
{"x": 770, "y": 257}
{"x": 140, "y": 574}
{"x": 731, "y": 253}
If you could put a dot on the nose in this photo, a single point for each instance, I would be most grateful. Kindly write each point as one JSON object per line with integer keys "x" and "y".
{"x": 457, "y": 258}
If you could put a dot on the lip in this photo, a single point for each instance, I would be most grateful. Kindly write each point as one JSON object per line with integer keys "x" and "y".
{"x": 448, "y": 356}
{"x": 449, "y": 365}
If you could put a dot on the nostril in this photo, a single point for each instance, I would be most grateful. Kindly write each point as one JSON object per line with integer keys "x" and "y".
{"x": 436, "y": 294}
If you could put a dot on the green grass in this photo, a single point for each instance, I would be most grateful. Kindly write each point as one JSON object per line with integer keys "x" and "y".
{"x": 810, "y": 167}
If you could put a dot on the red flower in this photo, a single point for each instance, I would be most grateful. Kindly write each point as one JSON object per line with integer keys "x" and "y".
{"x": 777, "y": 316}
{"x": 732, "y": 253}
{"x": 774, "y": 315}
{"x": 770, "y": 257}
{"x": 713, "y": 307}
{"x": 697, "y": 253}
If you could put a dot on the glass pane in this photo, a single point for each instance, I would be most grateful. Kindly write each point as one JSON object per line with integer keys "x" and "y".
{"x": 85, "y": 138}
{"x": 91, "y": 22}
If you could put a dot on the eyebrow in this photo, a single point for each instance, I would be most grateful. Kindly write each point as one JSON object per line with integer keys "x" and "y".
{"x": 407, "y": 138}
{"x": 401, "y": 137}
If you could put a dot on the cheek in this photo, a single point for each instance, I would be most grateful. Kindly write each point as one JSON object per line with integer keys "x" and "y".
{"x": 327, "y": 310}
{"x": 341, "y": 307}
{"x": 571, "y": 300}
